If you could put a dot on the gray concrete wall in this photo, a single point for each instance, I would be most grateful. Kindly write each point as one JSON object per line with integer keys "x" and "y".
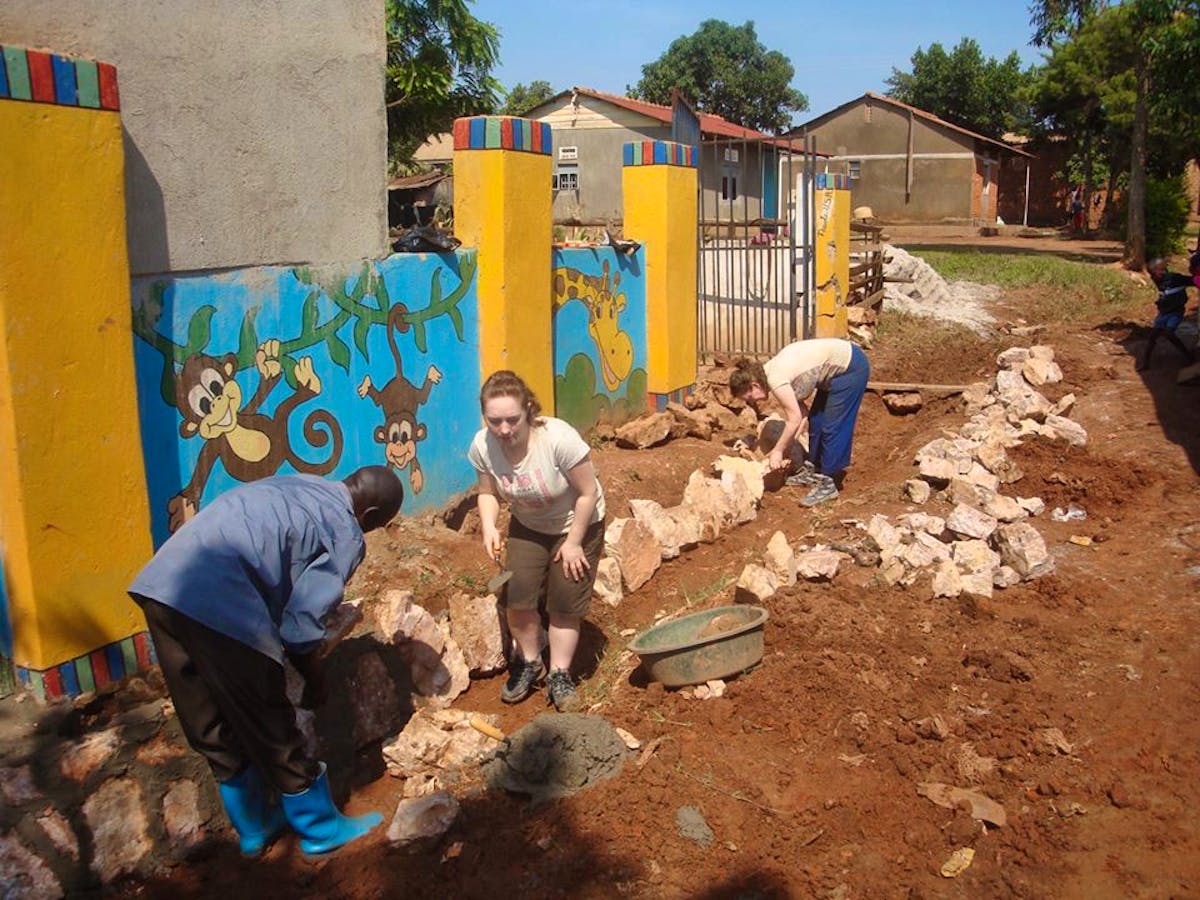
{"x": 880, "y": 128}
{"x": 255, "y": 132}
{"x": 599, "y": 198}
{"x": 943, "y": 164}
{"x": 941, "y": 189}
{"x": 748, "y": 171}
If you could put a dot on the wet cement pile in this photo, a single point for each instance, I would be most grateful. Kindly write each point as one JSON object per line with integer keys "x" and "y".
{"x": 556, "y": 755}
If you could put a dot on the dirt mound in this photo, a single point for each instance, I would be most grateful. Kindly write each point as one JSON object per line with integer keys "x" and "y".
{"x": 1061, "y": 474}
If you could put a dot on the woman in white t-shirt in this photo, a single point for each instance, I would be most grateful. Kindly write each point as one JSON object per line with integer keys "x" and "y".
{"x": 835, "y": 374}
{"x": 543, "y": 469}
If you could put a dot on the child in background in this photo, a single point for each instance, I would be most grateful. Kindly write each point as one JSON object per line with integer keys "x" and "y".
{"x": 1171, "y": 302}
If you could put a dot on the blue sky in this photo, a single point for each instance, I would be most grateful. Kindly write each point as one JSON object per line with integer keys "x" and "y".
{"x": 838, "y": 56}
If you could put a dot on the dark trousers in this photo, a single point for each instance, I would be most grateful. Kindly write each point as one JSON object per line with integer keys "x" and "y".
{"x": 833, "y": 414}
{"x": 231, "y": 701}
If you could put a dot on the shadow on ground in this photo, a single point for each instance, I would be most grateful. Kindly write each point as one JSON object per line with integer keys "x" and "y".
{"x": 1175, "y": 404}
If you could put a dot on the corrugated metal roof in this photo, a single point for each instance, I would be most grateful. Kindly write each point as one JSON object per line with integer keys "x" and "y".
{"x": 412, "y": 182}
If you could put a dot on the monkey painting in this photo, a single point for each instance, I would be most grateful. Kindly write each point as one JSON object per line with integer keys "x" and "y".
{"x": 248, "y": 443}
{"x": 399, "y": 400}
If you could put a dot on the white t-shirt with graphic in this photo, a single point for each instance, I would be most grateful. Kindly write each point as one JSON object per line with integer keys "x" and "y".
{"x": 807, "y": 365}
{"x": 537, "y": 488}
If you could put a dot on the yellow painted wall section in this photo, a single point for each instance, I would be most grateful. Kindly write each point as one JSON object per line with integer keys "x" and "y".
{"x": 73, "y": 504}
{"x": 832, "y": 252}
{"x": 502, "y": 207}
{"x": 660, "y": 211}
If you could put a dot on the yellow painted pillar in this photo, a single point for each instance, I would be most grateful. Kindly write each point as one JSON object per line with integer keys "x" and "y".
{"x": 659, "y": 183}
{"x": 74, "y": 515}
{"x": 503, "y": 208}
{"x": 832, "y": 252}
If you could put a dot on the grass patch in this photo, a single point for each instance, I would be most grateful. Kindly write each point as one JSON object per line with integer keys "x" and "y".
{"x": 1015, "y": 270}
{"x": 707, "y": 592}
{"x": 1057, "y": 289}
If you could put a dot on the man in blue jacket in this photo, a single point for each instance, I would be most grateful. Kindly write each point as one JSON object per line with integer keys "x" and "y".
{"x": 245, "y": 583}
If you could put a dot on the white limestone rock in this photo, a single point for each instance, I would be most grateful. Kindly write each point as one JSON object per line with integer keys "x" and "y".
{"x": 1040, "y": 371}
{"x": 917, "y": 491}
{"x": 1061, "y": 428}
{"x": 666, "y": 530}
{"x": 1035, "y": 506}
{"x": 818, "y": 564}
{"x": 1022, "y": 548}
{"x": 636, "y": 550}
{"x": 947, "y": 581}
{"x": 420, "y": 819}
{"x": 756, "y": 584}
{"x": 970, "y": 522}
{"x": 1012, "y": 358}
{"x": 116, "y": 816}
{"x": 1005, "y": 577}
{"x": 780, "y": 559}
{"x": 608, "y": 582}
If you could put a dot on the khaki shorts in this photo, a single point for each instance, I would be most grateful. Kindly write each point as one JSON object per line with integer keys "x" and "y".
{"x": 537, "y": 579}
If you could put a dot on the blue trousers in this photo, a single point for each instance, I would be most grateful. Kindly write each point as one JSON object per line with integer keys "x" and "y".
{"x": 833, "y": 414}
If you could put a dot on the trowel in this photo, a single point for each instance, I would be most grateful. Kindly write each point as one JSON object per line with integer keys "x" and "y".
{"x": 500, "y": 580}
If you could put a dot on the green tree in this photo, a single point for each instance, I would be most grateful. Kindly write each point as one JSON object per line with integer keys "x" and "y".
{"x": 1086, "y": 92}
{"x": 1165, "y": 44}
{"x": 989, "y": 96}
{"x": 522, "y": 99}
{"x": 439, "y": 63}
{"x": 725, "y": 70}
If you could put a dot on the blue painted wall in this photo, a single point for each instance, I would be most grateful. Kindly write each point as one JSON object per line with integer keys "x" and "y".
{"x": 599, "y": 334}
{"x": 332, "y": 327}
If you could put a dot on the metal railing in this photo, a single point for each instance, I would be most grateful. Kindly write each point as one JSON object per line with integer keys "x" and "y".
{"x": 754, "y": 260}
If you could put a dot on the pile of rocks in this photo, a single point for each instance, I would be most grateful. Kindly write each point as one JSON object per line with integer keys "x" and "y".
{"x": 702, "y": 420}
{"x": 783, "y": 566}
{"x": 635, "y": 547}
{"x": 986, "y": 541}
{"x": 98, "y": 788}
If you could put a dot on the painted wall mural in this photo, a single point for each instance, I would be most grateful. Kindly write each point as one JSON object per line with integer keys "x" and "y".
{"x": 322, "y": 356}
{"x": 599, "y": 305}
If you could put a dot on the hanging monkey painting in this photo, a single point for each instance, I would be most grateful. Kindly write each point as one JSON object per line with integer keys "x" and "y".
{"x": 250, "y": 444}
{"x": 399, "y": 400}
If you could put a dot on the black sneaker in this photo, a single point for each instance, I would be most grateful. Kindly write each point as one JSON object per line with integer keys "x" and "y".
{"x": 560, "y": 690}
{"x": 523, "y": 677}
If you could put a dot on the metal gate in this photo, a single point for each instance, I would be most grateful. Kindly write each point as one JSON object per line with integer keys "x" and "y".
{"x": 755, "y": 271}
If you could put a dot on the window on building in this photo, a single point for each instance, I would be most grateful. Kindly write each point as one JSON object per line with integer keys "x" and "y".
{"x": 729, "y": 187}
{"x": 566, "y": 178}
{"x": 855, "y": 168}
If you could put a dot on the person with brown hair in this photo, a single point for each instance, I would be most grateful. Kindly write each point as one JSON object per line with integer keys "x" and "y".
{"x": 836, "y": 371}
{"x": 543, "y": 469}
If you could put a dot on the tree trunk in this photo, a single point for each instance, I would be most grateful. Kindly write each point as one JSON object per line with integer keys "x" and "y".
{"x": 1135, "y": 237}
{"x": 1113, "y": 174}
{"x": 1088, "y": 172}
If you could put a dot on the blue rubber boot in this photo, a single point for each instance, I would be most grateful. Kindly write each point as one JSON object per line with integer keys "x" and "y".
{"x": 321, "y": 827}
{"x": 257, "y": 818}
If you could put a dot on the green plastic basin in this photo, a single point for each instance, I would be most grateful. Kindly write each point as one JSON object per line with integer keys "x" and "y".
{"x": 702, "y": 646}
